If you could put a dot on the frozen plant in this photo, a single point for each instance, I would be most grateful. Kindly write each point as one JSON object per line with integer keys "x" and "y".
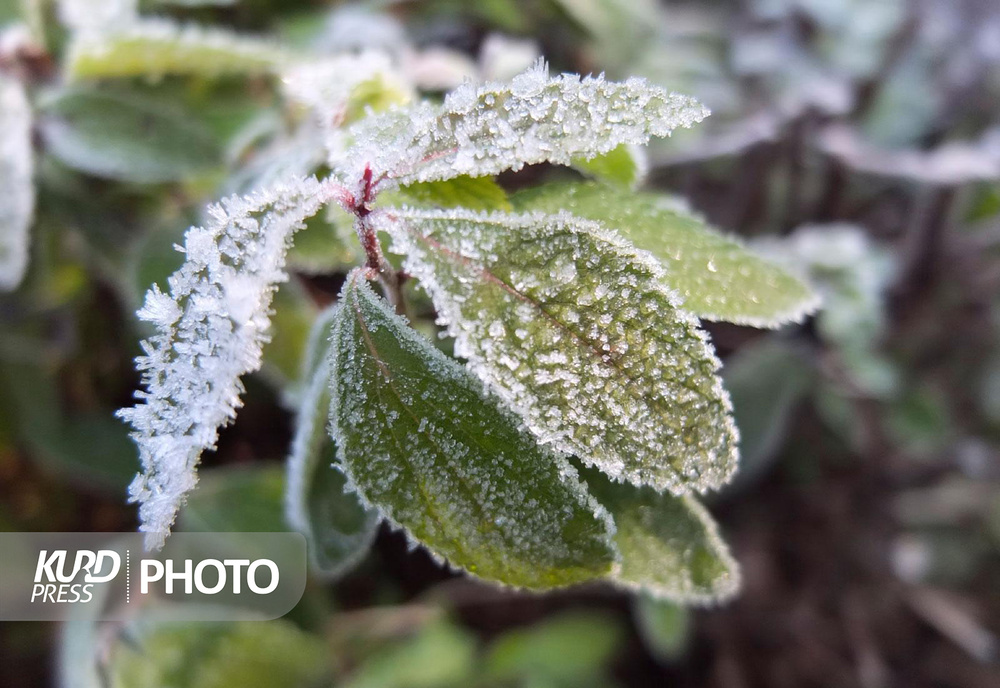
{"x": 590, "y": 411}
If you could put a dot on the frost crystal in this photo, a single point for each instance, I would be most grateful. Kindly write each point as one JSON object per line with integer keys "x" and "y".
{"x": 422, "y": 441}
{"x": 18, "y": 205}
{"x": 211, "y": 328}
{"x": 484, "y": 130}
{"x": 577, "y": 331}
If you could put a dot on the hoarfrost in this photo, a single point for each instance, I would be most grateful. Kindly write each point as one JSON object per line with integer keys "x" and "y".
{"x": 606, "y": 366}
{"x": 424, "y": 443}
{"x": 487, "y": 129}
{"x": 210, "y": 330}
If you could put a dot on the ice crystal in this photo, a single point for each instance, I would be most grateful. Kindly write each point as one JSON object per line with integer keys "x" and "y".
{"x": 424, "y": 443}
{"x": 487, "y": 129}
{"x": 670, "y": 546}
{"x": 18, "y": 206}
{"x": 210, "y": 330}
{"x": 577, "y": 331}
{"x": 716, "y": 275}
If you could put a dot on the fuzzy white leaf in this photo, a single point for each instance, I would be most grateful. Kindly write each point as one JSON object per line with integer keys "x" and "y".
{"x": 18, "y": 206}
{"x": 578, "y": 332}
{"x": 95, "y": 16}
{"x": 484, "y": 130}
{"x": 211, "y": 328}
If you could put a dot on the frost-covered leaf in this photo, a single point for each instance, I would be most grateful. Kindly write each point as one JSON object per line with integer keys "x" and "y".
{"x": 338, "y": 529}
{"x": 717, "y": 277}
{"x": 211, "y": 328}
{"x": 18, "y": 205}
{"x": 578, "y": 333}
{"x": 487, "y": 129}
{"x": 125, "y": 137}
{"x": 158, "y": 47}
{"x": 670, "y": 546}
{"x": 421, "y": 440}
{"x": 624, "y": 166}
{"x": 472, "y": 193}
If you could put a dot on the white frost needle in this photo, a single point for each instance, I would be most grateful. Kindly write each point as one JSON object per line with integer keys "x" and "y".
{"x": 486, "y": 129}
{"x": 18, "y": 205}
{"x": 210, "y": 330}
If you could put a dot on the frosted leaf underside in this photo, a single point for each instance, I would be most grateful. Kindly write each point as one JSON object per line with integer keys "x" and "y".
{"x": 576, "y": 331}
{"x": 715, "y": 275}
{"x": 670, "y": 546}
{"x": 483, "y": 130}
{"x": 421, "y": 440}
{"x": 210, "y": 330}
{"x": 18, "y": 205}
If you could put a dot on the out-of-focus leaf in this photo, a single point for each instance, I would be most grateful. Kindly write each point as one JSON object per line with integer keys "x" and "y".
{"x": 422, "y": 442}
{"x": 577, "y": 331}
{"x": 717, "y": 277}
{"x": 571, "y": 649}
{"x": 119, "y": 136}
{"x": 662, "y": 625}
{"x": 338, "y": 529}
{"x": 621, "y": 167}
{"x": 241, "y": 654}
{"x": 294, "y": 314}
{"x": 473, "y": 193}
{"x": 326, "y": 245}
{"x": 91, "y": 447}
{"x": 158, "y": 47}
{"x": 440, "y": 656}
{"x": 670, "y": 546}
{"x": 243, "y": 499}
{"x": 16, "y": 165}
{"x": 765, "y": 381}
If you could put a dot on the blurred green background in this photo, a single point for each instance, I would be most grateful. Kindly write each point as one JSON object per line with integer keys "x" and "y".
{"x": 857, "y": 140}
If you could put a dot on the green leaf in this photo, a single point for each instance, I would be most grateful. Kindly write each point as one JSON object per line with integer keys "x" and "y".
{"x": 294, "y": 314}
{"x": 156, "y": 48}
{"x": 420, "y": 440}
{"x": 327, "y": 244}
{"x": 122, "y": 137}
{"x": 579, "y": 335}
{"x": 338, "y": 529}
{"x": 765, "y": 381}
{"x": 670, "y": 546}
{"x": 439, "y": 656}
{"x": 569, "y": 649}
{"x": 473, "y": 193}
{"x": 244, "y": 499}
{"x": 717, "y": 277}
{"x": 663, "y": 626}
{"x": 242, "y": 654}
{"x": 620, "y": 167}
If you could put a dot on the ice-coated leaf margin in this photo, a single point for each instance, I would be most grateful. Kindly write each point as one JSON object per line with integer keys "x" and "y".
{"x": 422, "y": 441}
{"x": 670, "y": 546}
{"x": 578, "y": 333}
{"x": 16, "y": 183}
{"x": 716, "y": 275}
{"x": 482, "y": 130}
{"x": 210, "y": 330}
